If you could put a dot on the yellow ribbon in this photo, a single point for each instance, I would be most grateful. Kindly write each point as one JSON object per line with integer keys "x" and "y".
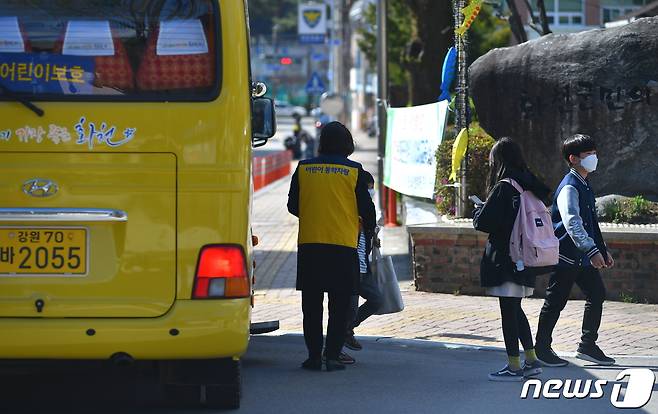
{"x": 470, "y": 12}
{"x": 458, "y": 152}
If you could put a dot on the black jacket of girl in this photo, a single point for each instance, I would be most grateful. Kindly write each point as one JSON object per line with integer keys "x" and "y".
{"x": 497, "y": 218}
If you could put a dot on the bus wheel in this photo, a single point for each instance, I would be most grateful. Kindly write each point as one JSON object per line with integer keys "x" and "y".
{"x": 183, "y": 395}
{"x": 227, "y": 393}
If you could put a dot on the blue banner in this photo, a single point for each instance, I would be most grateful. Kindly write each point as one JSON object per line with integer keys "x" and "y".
{"x": 44, "y": 73}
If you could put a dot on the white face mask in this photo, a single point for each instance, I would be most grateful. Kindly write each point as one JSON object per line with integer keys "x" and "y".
{"x": 589, "y": 163}
{"x": 371, "y": 191}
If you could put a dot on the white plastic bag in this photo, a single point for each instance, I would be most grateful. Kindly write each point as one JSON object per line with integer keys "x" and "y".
{"x": 387, "y": 283}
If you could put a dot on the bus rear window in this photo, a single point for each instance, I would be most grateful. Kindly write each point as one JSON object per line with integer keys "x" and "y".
{"x": 138, "y": 50}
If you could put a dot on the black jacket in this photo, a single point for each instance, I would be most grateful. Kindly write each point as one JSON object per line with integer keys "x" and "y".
{"x": 329, "y": 194}
{"x": 585, "y": 231}
{"x": 497, "y": 218}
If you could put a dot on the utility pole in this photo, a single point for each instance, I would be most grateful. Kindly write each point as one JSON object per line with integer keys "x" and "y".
{"x": 462, "y": 104}
{"x": 332, "y": 59}
{"x": 382, "y": 94}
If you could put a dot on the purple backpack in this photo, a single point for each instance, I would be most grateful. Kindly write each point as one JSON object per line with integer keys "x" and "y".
{"x": 532, "y": 243}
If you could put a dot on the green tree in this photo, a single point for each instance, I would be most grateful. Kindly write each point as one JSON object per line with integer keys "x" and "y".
{"x": 487, "y": 32}
{"x": 420, "y": 32}
{"x": 434, "y": 35}
{"x": 400, "y": 31}
{"x": 264, "y": 14}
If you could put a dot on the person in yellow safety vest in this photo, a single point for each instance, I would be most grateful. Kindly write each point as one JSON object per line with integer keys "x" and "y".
{"x": 329, "y": 193}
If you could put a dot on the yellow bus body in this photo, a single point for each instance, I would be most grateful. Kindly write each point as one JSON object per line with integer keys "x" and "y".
{"x": 183, "y": 180}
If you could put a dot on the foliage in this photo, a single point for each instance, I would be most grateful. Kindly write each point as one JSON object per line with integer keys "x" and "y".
{"x": 627, "y": 298}
{"x": 487, "y": 32}
{"x": 479, "y": 146}
{"x": 400, "y": 31}
{"x": 264, "y": 14}
{"x": 636, "y": 210}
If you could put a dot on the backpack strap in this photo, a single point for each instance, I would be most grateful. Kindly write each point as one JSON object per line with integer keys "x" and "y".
{"x": 514, "y": 184}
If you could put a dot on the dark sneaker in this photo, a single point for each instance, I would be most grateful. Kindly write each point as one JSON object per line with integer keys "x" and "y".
{"x": 549, "y": 358}
{"x": 312, "y": 364}
{"x": 507, "y": 375}
{"x": 346, "y": 359}
{"x": 531, "y": 368}
{"x": 334, "y": 365}
{"x": 593, "y": 353}
{"x": 352, "y": 343}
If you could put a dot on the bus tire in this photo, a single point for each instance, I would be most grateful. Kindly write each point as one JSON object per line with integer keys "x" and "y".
{"x": 228, "y": 392}
{"x": 183, "y": 395}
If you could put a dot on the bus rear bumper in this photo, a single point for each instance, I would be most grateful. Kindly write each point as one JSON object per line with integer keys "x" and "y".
{"x": 192, "y": 329}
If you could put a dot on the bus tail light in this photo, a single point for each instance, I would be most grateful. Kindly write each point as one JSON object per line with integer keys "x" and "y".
{"x": 221, "y": 273}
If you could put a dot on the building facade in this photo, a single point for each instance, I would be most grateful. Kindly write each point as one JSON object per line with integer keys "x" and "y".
{"x": 567, "y": 16}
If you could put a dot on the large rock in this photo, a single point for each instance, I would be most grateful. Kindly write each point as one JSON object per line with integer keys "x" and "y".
{"x": 602, "y": 82}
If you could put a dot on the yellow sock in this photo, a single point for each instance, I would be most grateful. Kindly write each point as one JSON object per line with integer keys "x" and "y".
{"x": 530, "y": 355}
{"x": 514, "y": 362}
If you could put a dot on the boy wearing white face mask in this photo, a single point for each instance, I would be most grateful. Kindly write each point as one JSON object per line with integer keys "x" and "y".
{"x": 582, "y": 253}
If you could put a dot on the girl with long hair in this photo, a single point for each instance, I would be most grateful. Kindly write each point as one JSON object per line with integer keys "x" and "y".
{"x": 498, "y": 274}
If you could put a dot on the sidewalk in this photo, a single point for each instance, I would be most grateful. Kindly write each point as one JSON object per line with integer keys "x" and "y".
{"x": 627, "y": 329}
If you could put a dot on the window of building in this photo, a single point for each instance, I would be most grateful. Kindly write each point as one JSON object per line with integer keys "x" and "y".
{"x": 563, "y": 12}
{"x": 612, "y": 10}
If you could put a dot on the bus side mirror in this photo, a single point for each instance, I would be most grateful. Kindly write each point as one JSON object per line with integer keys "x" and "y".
{"x": 263, "y": 121}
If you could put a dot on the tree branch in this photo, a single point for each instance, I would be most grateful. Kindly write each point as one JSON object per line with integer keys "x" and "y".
{"x": 516, "y": 24}
{"x": 532, "y": 13}
{"x": 543, "y": 18}
{"x": 536, "y": 28}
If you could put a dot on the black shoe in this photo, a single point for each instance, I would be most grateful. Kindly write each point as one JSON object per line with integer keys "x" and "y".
{"x": 549, "y": 358}
{"x": 593, "y": 353}
{"x": 507, "y": 375}
{"x": 312, "y": 364}
{"x": 346, "y": 359}
{"x": 334, "y": 365}
{"x": 352, "y": 343}
{"x": 530, "y": 369}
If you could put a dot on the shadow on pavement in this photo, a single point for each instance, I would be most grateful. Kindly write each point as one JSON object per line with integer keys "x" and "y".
{"x": 462, "y": 336}
{"x": 79, "y": 387}
{"x": 390, "y": 376}
{"x": 404, "y": 376}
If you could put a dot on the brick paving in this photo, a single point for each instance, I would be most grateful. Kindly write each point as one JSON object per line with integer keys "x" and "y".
{"x": 627, "y": 329}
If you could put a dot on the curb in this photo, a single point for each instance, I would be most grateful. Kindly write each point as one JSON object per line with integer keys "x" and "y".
{"x": 425, "y": 343}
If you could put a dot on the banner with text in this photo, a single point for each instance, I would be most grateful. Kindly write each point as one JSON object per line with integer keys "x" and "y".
{"x": 412, "y": 137}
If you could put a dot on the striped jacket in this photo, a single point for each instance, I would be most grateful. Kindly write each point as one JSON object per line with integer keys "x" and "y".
{"x": 575, "y": 221}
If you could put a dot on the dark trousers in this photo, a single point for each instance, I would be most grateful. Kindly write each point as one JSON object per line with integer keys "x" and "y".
{"x": 368, "y": 291}
{"x": 515, "y": 326}
{"x": 589, "y": 281}
{"x": 312, "y": 309}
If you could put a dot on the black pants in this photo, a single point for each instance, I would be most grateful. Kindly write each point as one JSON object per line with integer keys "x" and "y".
{"x": 368, "y": 291}
{"x": 515, "y": 326}
{"x": 312, "y": 308}
{"x": 589, "y": 281}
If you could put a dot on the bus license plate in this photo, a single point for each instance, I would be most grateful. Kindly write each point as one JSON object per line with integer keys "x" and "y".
{"x": 43, "y": 251}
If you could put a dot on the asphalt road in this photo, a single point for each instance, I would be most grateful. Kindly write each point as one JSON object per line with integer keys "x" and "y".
{"x": 391, "y": 376}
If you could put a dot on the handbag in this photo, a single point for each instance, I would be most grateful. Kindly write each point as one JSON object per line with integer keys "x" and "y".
{"x": 387, "y": 284}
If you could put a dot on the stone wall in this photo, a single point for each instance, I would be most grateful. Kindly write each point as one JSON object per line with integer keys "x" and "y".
{"x": 446, "y": 259}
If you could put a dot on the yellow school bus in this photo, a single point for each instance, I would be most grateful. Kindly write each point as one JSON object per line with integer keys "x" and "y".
{"x": 126, "y": 130}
